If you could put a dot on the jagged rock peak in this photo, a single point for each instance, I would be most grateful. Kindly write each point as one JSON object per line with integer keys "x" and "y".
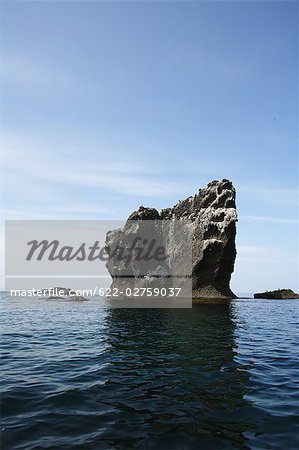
{"x": 212, "y": 212}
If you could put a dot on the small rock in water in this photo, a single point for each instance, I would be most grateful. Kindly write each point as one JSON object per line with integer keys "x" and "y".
{"x": 277, "y": 294}
{"x": 60, "y": 293}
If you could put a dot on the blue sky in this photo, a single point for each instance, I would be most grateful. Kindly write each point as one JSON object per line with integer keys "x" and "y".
{"x": 109, "y": 105}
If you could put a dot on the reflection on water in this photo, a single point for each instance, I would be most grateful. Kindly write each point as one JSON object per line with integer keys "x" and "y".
{"x": 80, "y": 377}
{"x": 189, "y": 384}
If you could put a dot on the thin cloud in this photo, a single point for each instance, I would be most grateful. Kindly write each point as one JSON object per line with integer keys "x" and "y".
{"x": 255, "y": 253}
{"x": 271, "y": 219}
{"x": 31, "y": 165}
{"x": 252, "y": 249}
{"x": 50, "y": 212}
{"x": 274, "y": 196}
{"x": 25, "y": 71}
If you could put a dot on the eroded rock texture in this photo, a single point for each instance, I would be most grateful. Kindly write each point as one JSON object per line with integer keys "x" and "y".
{"x": 212, "y": 212}
{"x": 277, "y": 294}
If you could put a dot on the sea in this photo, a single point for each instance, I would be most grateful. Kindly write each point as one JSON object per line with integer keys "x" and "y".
{"x": 216, "y": 376}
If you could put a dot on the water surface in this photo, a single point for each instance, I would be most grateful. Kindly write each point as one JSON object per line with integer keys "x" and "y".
{"x": 76, "y": 376}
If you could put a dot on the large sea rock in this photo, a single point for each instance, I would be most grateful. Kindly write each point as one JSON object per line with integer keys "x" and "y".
{"x": 212, "y": 214}
{"x": 277, "y": 294}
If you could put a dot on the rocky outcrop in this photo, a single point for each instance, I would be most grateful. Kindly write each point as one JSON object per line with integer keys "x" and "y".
{"x": 213, "y": 217}
{"x": 277, "y": 294}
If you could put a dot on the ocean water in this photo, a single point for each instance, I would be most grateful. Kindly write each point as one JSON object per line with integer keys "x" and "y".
{"x": 75, "y": 376}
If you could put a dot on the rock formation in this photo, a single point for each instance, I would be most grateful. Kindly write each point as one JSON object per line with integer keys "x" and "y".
{"x": 277, "y": 294}
{"x": 61, "y": 293}
{"x": 213, "y": 217}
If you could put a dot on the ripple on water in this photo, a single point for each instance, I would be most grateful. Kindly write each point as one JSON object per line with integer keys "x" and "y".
{"x": 216, "y": 376}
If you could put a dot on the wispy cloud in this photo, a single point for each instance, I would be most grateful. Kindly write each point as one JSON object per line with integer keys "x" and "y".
{"x": 273, "y": 196}
{"x": 270, "y": 219}
{"x": 52, "y": 212}
{"x": 25, "y": 71}
{"x": 252, "y": 250}
{"x": 255, "y": 253}
{"x": 39, "y": 172}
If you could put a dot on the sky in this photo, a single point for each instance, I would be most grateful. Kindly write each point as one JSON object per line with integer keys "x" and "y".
{"x": 110, "y": 105}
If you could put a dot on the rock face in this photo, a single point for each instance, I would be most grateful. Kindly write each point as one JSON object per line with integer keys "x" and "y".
{"x": 212, "y": 212}
{"x": 277, "y": 294}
